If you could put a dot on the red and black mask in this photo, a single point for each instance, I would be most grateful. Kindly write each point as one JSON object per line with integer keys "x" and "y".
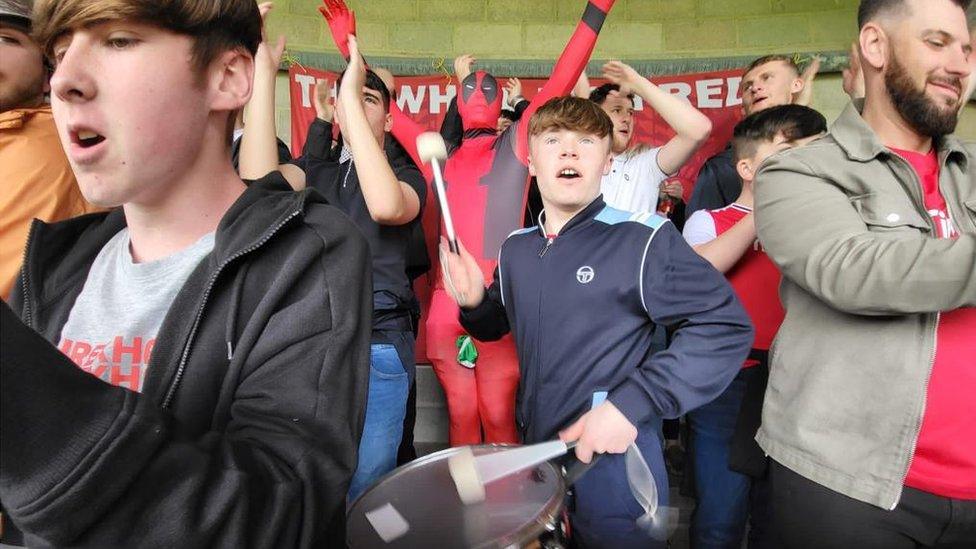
{"x": 480, "y": 101}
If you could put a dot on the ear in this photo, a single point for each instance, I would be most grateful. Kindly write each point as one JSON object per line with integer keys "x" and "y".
{"x": 608, "y": 162}
{"x": 745, "y": 170}
{"x": 231, "y": 80}
{"x": 531, "y": 165}
{"x": 388, "y": 123}
{"x": 796, "y": 86}
{"x": 873, "y": 42}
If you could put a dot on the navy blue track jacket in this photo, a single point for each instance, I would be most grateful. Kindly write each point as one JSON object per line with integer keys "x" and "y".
{"x": 582, "y": 307}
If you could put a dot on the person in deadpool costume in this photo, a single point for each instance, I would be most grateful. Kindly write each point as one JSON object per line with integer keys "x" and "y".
{"x": 487, "y": 179}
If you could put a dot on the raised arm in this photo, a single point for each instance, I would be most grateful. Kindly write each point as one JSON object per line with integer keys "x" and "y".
{"x": 691, "y": 127}
{"x": 259, "y": 145}
{"x": 342, "y": 25}
{"x": 805, "y": 95}
{"x": 389, "y": 201}
{"x": 571, "y": 63}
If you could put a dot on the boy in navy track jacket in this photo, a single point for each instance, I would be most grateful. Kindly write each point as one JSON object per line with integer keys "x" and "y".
{"x": 581, "y": 292}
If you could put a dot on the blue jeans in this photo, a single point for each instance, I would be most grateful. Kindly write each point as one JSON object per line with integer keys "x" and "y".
{"x": 719, "y": 519}
{"x": 391, "y": 371}
{"x": 604, "y": 511}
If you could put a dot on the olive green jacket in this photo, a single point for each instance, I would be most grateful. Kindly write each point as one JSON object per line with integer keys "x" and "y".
{"x": 864, "y": 281}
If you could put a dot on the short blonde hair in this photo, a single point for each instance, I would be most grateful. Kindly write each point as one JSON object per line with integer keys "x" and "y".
{"x": 570, "y": 113}
{"x": 215, "y": 26}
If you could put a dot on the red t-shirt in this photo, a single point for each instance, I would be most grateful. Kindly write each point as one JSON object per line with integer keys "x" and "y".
{"x": 945, "y": 455}
{"x": 754, "y": 277}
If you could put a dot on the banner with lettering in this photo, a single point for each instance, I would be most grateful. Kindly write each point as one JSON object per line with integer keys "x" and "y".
{"x": 426, "y": 98}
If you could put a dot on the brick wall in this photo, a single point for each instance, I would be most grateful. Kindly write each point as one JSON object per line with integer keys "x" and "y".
{"x": 538, "y": 29}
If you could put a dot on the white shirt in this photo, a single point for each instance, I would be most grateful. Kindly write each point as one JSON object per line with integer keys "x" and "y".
{"x": 634, "y": 180}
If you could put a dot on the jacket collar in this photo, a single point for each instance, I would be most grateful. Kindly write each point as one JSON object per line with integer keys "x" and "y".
{"x": 69, "y": 247}
{"x": 860, "y": 142}
{"x": 581, "y": 217}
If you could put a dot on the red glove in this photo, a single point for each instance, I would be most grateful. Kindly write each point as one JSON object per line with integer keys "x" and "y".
{"x": 342, "y": 23}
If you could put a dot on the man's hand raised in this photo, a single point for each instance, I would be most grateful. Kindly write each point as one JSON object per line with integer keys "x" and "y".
{"x": 353, "y": 80}
{"x": 514, "y": 88}
{"x": 805, "y": 96}
{"x": 623, "y": 75}
{"x": 462, "y": 66}
{"x": 322, "y": 100}
{"x": 268, "y": 55}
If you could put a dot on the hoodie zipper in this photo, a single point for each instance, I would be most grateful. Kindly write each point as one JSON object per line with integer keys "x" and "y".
{"x": 206, "y": 295}
{"x": 545, "y": 249}
{"x": 538, "y": 339}
{"x": 27, "y": 314}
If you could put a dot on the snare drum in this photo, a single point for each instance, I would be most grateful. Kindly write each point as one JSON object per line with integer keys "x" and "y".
{"x": 417, "y": 505}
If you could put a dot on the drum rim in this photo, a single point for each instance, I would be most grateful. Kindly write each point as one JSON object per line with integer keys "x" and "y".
{"x": 545, "y": 521}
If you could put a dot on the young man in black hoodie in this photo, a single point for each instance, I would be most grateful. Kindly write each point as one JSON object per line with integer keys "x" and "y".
{"x": 229, "y": 324}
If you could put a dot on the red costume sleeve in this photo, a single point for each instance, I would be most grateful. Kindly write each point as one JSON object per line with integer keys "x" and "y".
{"x": 568, "y": 68}
{"x": 342, "y": 23}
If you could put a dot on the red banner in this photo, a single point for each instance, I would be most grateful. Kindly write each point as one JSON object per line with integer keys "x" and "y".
{"x": 426, "y": 99}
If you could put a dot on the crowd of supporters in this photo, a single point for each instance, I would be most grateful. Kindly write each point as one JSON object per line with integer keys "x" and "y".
{"x": 209, "y": 342}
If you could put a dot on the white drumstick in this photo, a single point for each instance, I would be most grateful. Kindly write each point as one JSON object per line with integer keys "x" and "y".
{"x": 433, "y": 151}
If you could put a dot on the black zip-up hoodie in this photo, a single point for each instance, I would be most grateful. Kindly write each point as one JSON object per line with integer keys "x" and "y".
{"x": 247, "y": 429}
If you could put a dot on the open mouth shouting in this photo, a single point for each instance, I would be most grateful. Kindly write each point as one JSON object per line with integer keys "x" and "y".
{"x": 87, "y": 145}
{"x": 568, "y": 174}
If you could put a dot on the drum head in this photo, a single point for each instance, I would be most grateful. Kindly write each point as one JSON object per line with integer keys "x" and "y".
{"x": 417, "y": 505}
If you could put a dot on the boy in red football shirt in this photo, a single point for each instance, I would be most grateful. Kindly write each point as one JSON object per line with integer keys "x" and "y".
{"x": 728, "y": 465}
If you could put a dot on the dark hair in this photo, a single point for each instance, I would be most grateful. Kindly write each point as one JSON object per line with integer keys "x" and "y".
{"x": 509, "y": 114}
{"x": 774, "y": 57}
{"x": 373, "y": 82}
{"x": 570, "y": 113}
{"x": 599, "y": 95}
{"x": 870, "y": 9}
{"x": 793, "y": 121}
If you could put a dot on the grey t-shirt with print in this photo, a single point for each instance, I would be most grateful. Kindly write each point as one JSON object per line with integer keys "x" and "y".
{"x": 112, "y": 327}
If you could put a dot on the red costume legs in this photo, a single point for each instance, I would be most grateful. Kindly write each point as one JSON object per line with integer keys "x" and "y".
{"x": 480, "y": 398}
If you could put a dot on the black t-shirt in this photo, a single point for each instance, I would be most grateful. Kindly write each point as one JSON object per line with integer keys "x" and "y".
{"x": 389, "y": 244}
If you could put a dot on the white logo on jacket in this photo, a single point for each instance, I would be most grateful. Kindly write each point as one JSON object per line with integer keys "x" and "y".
{"x": 585, "y": 274}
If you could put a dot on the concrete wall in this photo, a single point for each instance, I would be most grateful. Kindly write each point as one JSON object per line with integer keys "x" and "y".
{"x": 537, "y": 29}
